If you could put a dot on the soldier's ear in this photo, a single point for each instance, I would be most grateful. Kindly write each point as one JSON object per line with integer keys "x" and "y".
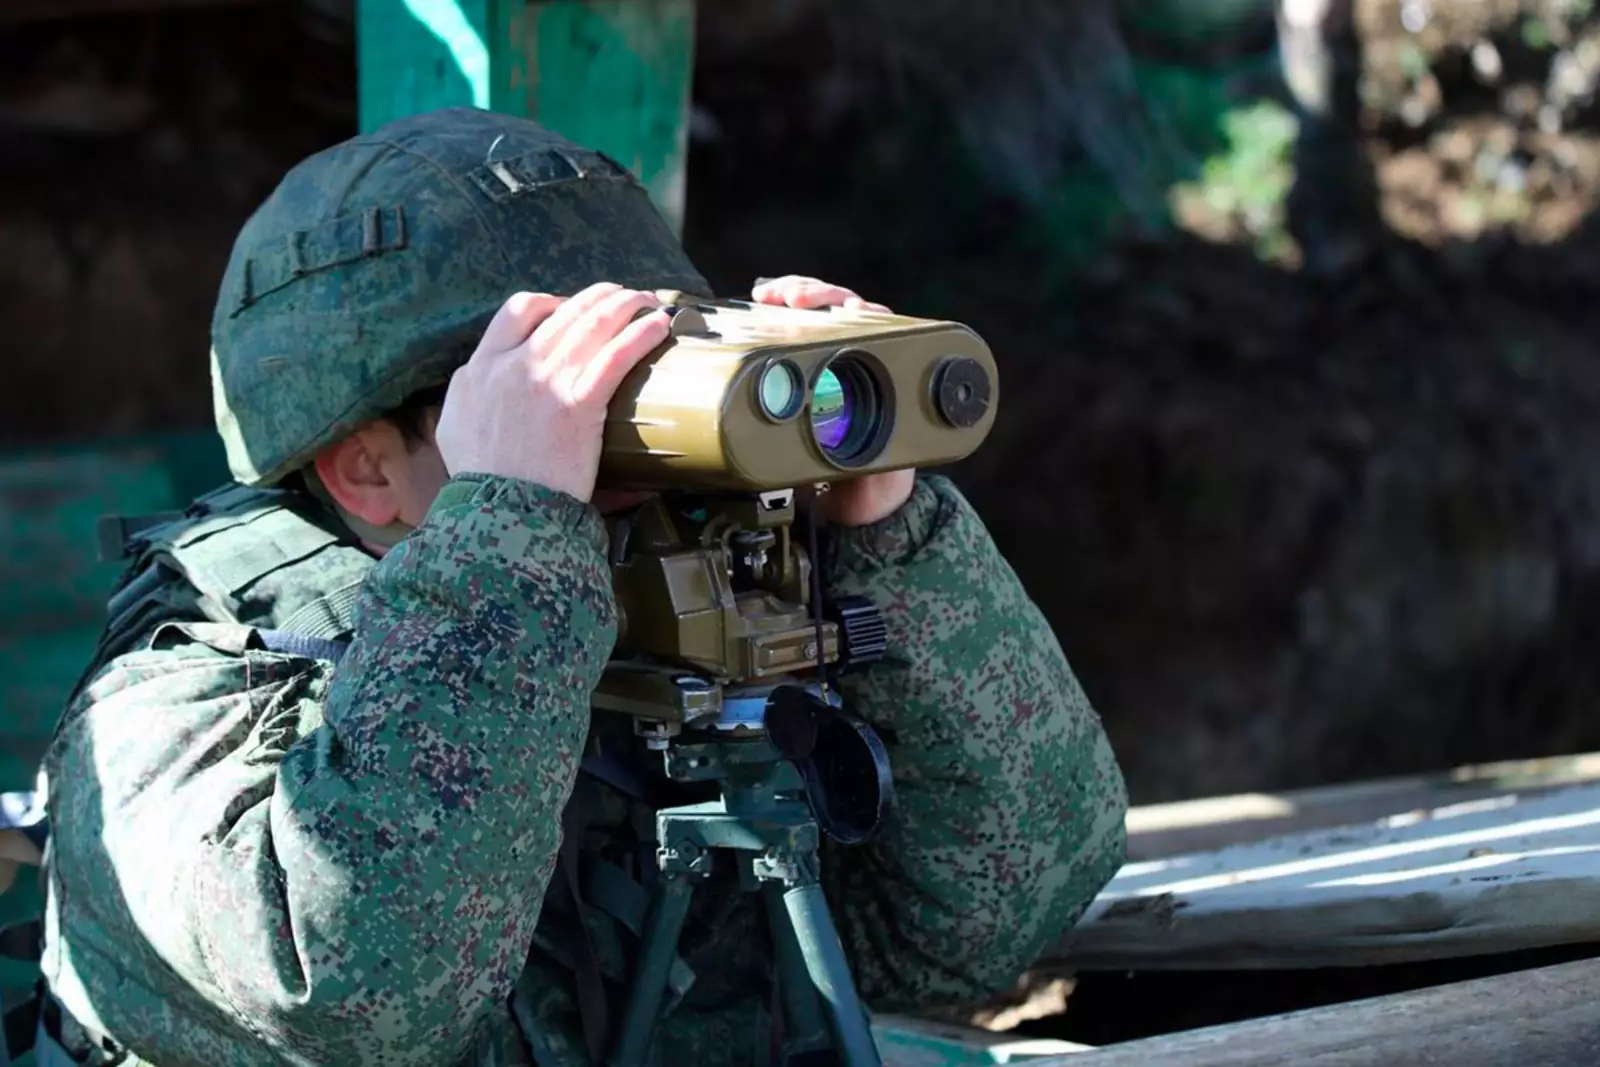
{"x": 359, "y": 472}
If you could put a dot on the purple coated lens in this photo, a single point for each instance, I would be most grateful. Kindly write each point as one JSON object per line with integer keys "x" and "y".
{"x": 832, "y": 411}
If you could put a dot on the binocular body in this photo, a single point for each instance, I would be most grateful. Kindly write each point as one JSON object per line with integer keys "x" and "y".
{"x": 747, "y": 398}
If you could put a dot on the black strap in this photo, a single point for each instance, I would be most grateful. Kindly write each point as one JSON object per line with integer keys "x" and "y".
{"x": 594, "y": 1003}
{"x": 117, "y": 535}
{"x": 101, "y": 1050}
{"x": 22, "y": 1028}
{"x": 22, "y": 941}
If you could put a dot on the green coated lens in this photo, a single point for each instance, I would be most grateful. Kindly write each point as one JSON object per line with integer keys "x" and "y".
{"x": 780, "y": 390}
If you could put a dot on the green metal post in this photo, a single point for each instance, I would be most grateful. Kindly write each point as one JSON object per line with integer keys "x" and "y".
{"x": 611, "y": 74}
{"x": 830, "y": 973}
{"x": 805, "y": 1030}
{"x": 659, "y": 939}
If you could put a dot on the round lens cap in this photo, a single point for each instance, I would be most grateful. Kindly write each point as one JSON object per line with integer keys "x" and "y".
{"x": 961, "y": 391}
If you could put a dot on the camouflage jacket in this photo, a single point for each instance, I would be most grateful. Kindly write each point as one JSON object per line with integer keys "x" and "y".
{"x": 263, "y": 858}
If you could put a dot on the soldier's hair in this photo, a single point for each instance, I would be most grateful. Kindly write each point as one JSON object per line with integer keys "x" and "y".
{"x": 411, "y": 417}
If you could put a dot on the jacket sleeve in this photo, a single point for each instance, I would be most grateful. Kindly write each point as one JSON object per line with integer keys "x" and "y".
{"x": 1009, "y": 804}
{"x": 345, "y": 865}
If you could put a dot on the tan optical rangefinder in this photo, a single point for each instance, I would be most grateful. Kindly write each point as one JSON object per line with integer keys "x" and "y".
{"x": 749, "y": 397}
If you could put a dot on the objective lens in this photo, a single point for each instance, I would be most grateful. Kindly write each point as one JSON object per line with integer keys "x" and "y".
{"x": 847, "y": 411}
{"x": 780, "y": 390}
{"x": 832, "y": 412}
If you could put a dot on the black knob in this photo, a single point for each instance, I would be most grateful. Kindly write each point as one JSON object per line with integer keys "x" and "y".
{"x": 863, "y": 635}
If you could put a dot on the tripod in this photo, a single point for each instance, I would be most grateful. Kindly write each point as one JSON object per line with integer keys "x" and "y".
{"x": 764, "y": 818}
{"x": 723, "y": 614}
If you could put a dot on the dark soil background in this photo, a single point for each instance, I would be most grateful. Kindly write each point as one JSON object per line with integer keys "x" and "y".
{"x": 1291, "y": 525}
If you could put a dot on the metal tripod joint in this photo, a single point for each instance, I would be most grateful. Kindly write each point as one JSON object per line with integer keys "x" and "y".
{"x": 684, "y": 858}
{"x": 788, "y": 869}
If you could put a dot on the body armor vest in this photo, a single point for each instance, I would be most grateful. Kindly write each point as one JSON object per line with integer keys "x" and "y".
{"x": 279, "y": 562}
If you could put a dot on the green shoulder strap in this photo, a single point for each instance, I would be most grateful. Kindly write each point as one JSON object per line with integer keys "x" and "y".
{"x": 265, "y": 558}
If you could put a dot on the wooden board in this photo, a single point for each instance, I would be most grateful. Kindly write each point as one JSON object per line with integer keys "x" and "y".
{"x": 1499, "y": 874}
{"x": 418, "y": 55}
{"x": 1158, "y": 830}
{"x": 904, "y": 1041}
{"x": 1546, "y": 1017}
{"x": 614, "y": 75}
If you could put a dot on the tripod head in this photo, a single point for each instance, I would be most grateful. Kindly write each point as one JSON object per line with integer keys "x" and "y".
{"x": 725, "y": 650}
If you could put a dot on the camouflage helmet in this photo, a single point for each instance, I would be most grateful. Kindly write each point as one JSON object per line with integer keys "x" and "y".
{"x": 372, "y": 270}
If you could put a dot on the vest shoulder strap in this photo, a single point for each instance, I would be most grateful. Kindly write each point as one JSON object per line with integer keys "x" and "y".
{"x": 261, "y": 557}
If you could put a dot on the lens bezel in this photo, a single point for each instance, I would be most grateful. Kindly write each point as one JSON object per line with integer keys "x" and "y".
{"x": 859, "y": 369}
{"x": 802, "y": 394}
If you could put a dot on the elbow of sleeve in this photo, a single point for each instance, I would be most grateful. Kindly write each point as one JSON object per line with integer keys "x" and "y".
{"x": 328, "y": 970}
{"x": 401, "y": 1010}
{"x": 1096, "y": 863}
{"x": 1073, "y": 866}
{"x": 1098, "y": 844}
{"x": 1033, "y": 926}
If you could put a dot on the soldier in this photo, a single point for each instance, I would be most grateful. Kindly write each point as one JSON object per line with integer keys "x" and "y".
{"x": 263, "y": 854}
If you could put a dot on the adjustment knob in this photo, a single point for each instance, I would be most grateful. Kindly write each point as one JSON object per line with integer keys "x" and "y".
{"x": 863, "y": 635}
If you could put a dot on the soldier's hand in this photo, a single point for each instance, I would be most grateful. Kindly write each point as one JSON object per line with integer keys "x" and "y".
{"x": 531, "y": 402}
{"x": 853, "y": 501}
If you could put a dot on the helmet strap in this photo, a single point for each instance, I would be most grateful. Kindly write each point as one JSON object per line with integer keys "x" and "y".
{"x": 385, "y": 537}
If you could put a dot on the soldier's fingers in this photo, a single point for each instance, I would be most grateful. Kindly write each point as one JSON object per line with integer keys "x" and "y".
{"x": 767, "y": 287}
{"x": 797, "y": 291}
{"x": 599, "y": 379}
{"x": 604, "y": 321}
{"x": 856, "y": 303}
{"x": 517, "y": 318}
{"x": 548, "y": 336}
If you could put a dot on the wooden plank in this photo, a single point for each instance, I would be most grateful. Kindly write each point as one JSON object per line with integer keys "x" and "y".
{"x": 904, "y": 1041}
{"x": 1158, "y": 830}
{"x": 1497, "y": 875}
{"x": 1546, "y": 1017}
{"x": 611, "y": 74}
{"x": 616, "y": 75}
{"x": 419, "y": 55}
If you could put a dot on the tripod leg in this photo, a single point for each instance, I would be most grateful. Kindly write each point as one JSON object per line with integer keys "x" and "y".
{"x": 804, "y": 1028}
{"x": 659, "y": 943}
{"x": 830, "y": 974}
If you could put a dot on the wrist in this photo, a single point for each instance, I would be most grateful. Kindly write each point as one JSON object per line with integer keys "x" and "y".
{"x": 868, "y": 500}
{"x": 894, "y": 538}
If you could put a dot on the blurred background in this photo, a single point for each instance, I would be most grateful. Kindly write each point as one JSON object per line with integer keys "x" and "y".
{"x": 1296, "y": 304}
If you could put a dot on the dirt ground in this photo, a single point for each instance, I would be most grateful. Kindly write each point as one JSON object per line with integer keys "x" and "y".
{"x": 1289, "y": 529}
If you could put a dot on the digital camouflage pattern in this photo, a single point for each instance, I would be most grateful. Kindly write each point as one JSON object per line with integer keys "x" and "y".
{"x": 374, "y": 267}
{"x": 262, "y": 859}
